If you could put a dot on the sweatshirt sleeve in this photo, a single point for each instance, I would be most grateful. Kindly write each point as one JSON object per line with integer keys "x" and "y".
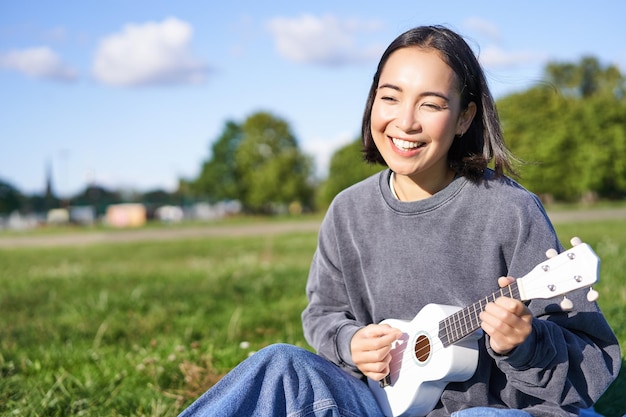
{"x": 570, "y": 358}
{"x": 327, "y": 320}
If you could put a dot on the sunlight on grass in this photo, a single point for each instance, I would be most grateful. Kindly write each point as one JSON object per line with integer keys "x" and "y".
{"x": 142, "y": 329}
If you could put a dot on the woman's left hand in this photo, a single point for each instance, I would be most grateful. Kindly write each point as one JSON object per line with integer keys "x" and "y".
{"x": 507, "y": 321}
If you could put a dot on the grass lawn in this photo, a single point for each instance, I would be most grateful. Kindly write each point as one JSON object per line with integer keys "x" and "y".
{"x": 143, "y": 328}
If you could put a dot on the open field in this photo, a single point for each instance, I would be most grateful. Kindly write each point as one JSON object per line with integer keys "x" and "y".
{"x": 141, "y": 323}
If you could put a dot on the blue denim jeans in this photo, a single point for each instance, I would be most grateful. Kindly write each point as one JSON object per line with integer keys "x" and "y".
{"x": 284, "y": 380}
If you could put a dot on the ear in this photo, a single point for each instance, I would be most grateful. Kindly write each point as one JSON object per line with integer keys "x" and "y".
{"x": 465, "y": 118}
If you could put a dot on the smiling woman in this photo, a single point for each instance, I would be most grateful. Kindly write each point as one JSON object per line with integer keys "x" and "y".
{"x": 436, "y": 231}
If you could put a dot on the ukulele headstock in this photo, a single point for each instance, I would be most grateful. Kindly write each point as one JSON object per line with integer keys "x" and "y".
{"x": 575, "y": 268}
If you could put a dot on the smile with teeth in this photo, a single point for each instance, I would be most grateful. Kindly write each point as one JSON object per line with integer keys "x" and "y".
{"x": 405, "y": 144}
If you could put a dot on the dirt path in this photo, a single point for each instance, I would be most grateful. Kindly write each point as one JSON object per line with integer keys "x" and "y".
{"x": 112, "y": 236}
{"x": 135, "y": 235}
{"x": 587, "y": 215}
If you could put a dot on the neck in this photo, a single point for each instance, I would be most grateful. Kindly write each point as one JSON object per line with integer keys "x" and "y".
{"x": 410, "y": 188}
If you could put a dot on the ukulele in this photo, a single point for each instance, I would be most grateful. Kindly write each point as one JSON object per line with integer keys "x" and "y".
{"x": 440, "y": 345}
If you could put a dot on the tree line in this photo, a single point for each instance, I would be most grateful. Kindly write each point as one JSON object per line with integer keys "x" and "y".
{"x": 569, "y": 133}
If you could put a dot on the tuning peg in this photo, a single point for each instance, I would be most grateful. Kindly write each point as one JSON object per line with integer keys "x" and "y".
{"x": 551, "y": 253}
{"x": 575, "y": 241}
{"x": 566, "y": 304}
{"x": 592, "y": 295}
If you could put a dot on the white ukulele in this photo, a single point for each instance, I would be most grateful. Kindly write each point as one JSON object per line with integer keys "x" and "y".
{"x": 440, "y": 344}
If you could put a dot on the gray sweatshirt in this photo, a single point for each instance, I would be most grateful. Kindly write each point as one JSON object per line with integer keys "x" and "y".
{"x": 379, "y": 258}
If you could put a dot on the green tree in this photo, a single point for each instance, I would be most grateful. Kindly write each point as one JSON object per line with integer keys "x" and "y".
{"x": 274, "y": 172}
{"x": 220, "y": 178}
{"x": 347, "y": 167}
{"x": 605, "y": 148}
{"x": 571, "y": 136}
{"x": 586, "y": 79}
{"x": 10, "y": 198}
{"x": 258, "y": 163}
{"x": 96, "y": 196}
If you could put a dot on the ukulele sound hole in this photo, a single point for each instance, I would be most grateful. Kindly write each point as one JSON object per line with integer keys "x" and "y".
{"x": 422, "y": 348}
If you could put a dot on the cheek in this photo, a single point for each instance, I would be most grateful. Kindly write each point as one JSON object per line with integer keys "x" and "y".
{"x": 379, "y": 118}
{"x": 440, "y": 125}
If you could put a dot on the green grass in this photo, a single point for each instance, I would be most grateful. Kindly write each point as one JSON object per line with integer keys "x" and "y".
{"x": 141, "y": 329}
{"x": 114, "y": 330}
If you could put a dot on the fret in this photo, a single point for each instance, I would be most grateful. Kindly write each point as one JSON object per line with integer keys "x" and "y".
{"x": 467, "y": 327}
{"x": 475, "y": 315}
{"x": 476, "y": 320}
{"x": 463, "y": 324}
{"x": 453, "y": 327}
{"x": 462, "y": 331}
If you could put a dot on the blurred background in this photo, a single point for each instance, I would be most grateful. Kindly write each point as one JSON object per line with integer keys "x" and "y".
{"x": 202, "y": 109}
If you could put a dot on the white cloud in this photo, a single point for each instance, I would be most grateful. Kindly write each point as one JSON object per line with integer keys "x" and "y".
{"x": 495, "y": 57}
{"x": 323, "y": 40}
{"x": 149, "y": 54}
{"x": 484, "y": 27}
{"x": 40, "y": 62}
{"x": 322, "y": 150}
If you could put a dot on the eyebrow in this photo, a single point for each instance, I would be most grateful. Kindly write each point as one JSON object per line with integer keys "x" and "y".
{"x": 424, "y": 94}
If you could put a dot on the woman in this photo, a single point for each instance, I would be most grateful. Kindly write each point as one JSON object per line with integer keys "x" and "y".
{"x": 438, "y": 227}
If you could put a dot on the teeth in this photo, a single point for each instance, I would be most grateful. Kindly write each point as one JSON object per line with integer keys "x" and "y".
{"x": 405, "y": 144}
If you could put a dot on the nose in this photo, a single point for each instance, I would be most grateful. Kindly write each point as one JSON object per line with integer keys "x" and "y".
{"x": 407, "y": 119}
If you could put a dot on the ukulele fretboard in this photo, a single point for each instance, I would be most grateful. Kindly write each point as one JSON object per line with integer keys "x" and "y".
{"x": 465, "y": 321}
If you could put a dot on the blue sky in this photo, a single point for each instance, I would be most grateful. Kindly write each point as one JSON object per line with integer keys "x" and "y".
{"x": 131, "y": 93}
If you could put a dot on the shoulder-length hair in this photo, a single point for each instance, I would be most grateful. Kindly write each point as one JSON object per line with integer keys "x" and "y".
{"x": 483, "y": 142}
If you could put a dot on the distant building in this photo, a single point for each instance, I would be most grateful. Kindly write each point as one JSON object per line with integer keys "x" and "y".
{"x": 18, "y": 221}
{"x": 58, "y": 216}
{"x": 83, "y": 215}
{"x": 169, "y": 214}
{"x": 126, "y": 215}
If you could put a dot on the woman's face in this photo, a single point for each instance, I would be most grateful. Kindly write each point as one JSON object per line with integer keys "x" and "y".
{"x": 416, "y": 113}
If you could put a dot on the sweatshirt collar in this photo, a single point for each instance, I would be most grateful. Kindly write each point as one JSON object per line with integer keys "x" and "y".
{"x": 420, "y": 206}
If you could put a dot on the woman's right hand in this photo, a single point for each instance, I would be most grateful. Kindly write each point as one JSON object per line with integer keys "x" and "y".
{"x": 371, "y": 346}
